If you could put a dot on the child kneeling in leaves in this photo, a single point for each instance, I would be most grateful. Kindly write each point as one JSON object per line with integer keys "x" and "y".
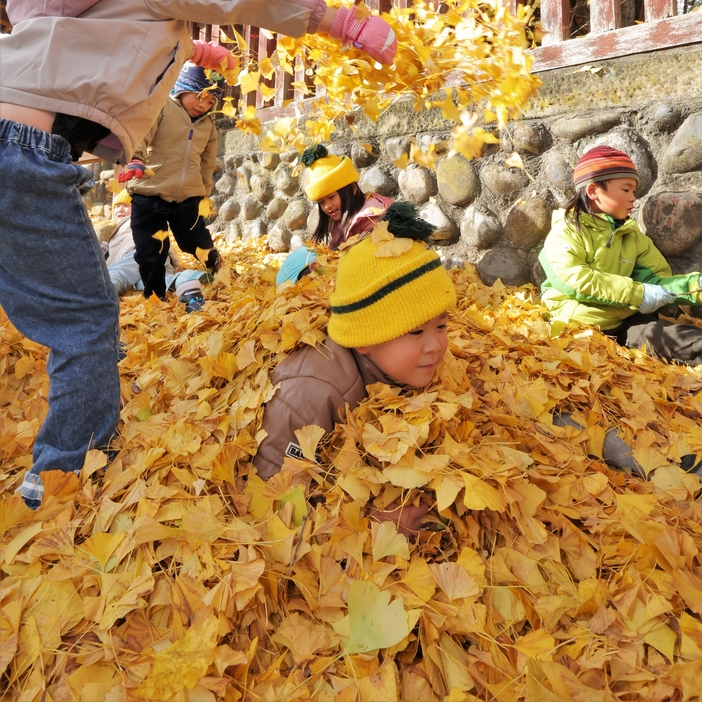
{"x": 387, "y": 325}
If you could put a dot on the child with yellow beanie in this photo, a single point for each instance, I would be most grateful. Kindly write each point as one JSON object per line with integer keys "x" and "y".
{"x": 387, "y": 325}
{"x": 344, "y": 211}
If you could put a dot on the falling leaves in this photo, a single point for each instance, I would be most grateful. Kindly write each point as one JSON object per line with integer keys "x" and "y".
{"x": 170, "y": 570}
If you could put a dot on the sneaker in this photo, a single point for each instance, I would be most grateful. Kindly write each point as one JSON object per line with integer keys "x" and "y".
{"x": 214, "y": 261}
{"x": 193, "y": 302}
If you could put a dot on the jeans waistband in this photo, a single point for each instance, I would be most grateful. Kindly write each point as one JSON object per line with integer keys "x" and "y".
{"x": 34, "y": 138}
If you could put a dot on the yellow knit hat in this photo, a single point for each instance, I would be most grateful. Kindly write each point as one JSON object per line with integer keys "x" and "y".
{"x": 122, "y": 198}
{"x": 327, "y": 173}
{"x": 380, "y": 298}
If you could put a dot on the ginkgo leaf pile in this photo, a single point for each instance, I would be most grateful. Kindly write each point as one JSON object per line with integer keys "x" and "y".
{"x": 540, "y": 573}
{"x": 476, "y": 45}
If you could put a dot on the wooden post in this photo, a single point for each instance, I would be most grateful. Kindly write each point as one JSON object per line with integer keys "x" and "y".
{"x": 605, "y": 15}
{"x": 555, "y": 21}
{"x": 660, "y": 9}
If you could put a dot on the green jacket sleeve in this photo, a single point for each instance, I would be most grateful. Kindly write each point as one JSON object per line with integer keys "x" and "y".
{"x": 564, "y": 259}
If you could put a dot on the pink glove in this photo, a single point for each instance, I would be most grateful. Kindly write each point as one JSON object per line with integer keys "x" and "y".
{"x": 373, "y": 35}
{"x": 211, "y": 56}
{"x": 134, "y": 169}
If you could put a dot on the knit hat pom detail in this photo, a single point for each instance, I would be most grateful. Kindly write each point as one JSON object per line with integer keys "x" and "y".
{"x": 404, "y": 222}
{"x": 314, "y": 153}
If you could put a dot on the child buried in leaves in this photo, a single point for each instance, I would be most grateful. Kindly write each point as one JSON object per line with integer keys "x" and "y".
{"x": 388, "y": 324}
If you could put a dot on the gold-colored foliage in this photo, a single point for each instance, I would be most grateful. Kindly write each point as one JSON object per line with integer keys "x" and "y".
{"x": 472, "y": 50}
{"x": 540, "y": 574}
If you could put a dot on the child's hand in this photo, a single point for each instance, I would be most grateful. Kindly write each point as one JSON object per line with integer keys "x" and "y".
{"x": 134, "y": 169}
{"x": 408, "y": 518}
{"x": 211, "y": 56}
{"x": 372, "y": 34}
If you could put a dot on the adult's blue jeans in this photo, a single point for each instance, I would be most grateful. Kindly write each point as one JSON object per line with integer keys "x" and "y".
{"x": 55, "y": 289}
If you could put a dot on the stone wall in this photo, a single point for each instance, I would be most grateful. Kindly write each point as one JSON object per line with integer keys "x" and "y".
{"x": 489, "y": 214}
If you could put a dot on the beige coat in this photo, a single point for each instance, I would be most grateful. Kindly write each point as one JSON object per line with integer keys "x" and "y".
{"x": 114, "y": 62}
{"x": 182, "y": 154}
{"x": 315, "y": 383}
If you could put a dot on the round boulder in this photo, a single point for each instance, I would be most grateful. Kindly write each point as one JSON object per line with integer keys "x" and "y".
{"x": 229, "y": 210}
{"x": 253, "y": 229}
{"x": 296, "y": 241}
{"x": 417, "y": 184}
{"x": 573, "y": 128}
{"x": 526, "y": 138}
{"x": 503, "y": 264}
{"x": 397, "y": 147}
{"x": 276, "y": 208}
{"x": 446, "y": 229}
{"x": 250, "y": 208}
{"x": 457, "y": 180}
{"x": 233, "y": 160}
{"x": 232, "y": 232}
{"x": 664, "y": 117}
{"x": 673, "y": 221}
{"x": 295, "y": 216}
{"x": 479, "y": 230}
{"x": 225, "y": 185}
{"x": 503, "y": 181}
{"x": 559, "y": 176}
{"x": 261, "y": 188}
{"x": 528, "y": 223}
{"x": 279, "y": 238}
{"x": 362, "y": 158}
{"x": 268, "y": 160}
{"x": 286, "y": 183}
{"x": 374, "y": 180}
{"x": 313, "y": 220}
{"x": 684, "y": 153}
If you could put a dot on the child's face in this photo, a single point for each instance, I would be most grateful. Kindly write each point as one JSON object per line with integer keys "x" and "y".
{"x": 617, "y": 200}
{"x": 121, "y": 210}
{"x": 196, "y": 104}
{"x": 331, "y": 206}
{"x": 412, "y": 358}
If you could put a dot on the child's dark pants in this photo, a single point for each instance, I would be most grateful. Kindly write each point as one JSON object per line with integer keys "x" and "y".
{"x": 674, "y": 342}
{"x": 151, "y": 214}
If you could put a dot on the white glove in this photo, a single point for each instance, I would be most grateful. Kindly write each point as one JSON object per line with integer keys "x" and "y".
{"x": 654, "y": 297}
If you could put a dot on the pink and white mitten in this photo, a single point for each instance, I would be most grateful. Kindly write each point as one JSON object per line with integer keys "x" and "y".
{"x": 372, "y": 35}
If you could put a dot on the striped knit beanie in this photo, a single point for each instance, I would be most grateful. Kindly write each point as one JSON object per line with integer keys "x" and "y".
{"x": 194, "y": 79}
{"x": 603, "y": 163}
{"x": 380, "y": 298}
{"x": 327, "y": 173}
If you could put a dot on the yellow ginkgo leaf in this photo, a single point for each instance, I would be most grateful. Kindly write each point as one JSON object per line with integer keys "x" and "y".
{"x": 206, "y": 208}
{"x": 249, "y": 82}
{"x": 514, "y": 161}
{"x": 387, "y": 542}
{"x": 161, "y": 236}
{"x": 309, "y": 437}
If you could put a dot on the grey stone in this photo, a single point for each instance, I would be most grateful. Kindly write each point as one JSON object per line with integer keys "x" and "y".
{"x": 631, "y": 143}
{"x": 279, "y": 238}
{"x": 505, "y": 264}
{"x": 243, "y": 173}
{"x": 665, "y": 117}
{"x": 295, "y": 216}
{"x": 396, "y": 147}
{"x": 361, "y": 158}
{"x": 296, "y": 241}
{"x": 573, "y": 128}
{"x": 528, "y": 223}
{"x": 232, "y": 232}
{"x": 276, "y": 208}
{"x": 525, "y": 138}
{"x": 229, "y": 210}
{"x": 684, "y": 153}
{"x": 313, "y": 220}
{"x": 268, "y": 160}
{"x": 559, "y": 176}
{"x": 457, "y": 181}
{"x": 105, "y": 231}
{"x": 250, "y": 208}
{"x": 107, "y": 175}
{"x": 286, "y": 183}
{"x": 440, "y": 144}
{"x": 233, "y": 160}
{"x": 417, "y": 184}
{"x": 288, "y": 156}
{"x": 253, "y": 229}
{"x": 97, "y": 210}
{"x": 225, "y": 185}
{"x": 374, "y": 180}
{"x": 446, "y": 229}
{"x": 503, "y": 181}
{"x": 479, "y": 230}
{"x": 673, "y": 221}
{"x": 261, "y": 187}
{"x": 537, "y": 274}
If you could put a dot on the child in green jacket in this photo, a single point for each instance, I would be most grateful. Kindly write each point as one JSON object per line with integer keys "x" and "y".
{"x": 602, "y": 270}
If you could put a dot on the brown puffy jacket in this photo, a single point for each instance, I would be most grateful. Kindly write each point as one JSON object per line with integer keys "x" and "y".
{"x": 315, "y": 383}
{"x": 182, "y": 154}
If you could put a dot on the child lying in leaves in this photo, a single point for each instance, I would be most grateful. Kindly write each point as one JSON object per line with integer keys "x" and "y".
{"x": 387, "y": 325}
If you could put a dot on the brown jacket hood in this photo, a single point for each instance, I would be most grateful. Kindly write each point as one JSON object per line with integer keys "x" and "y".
{"x": 315, "y": 383}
